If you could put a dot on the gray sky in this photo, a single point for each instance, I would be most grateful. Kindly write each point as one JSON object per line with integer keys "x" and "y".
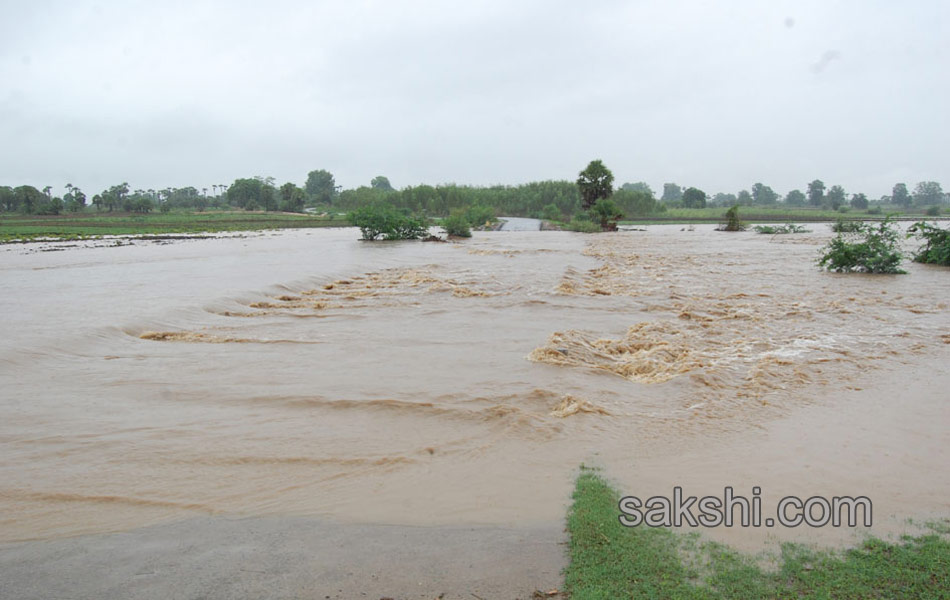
{"x": 718, "y": 95}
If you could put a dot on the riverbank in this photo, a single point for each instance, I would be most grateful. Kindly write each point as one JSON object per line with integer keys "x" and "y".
{"x": 18, "y": 228}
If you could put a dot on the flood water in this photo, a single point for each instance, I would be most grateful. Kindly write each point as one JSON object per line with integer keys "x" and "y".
{"x": 308, "y": 373}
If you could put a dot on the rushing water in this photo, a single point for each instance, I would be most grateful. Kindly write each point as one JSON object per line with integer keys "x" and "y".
{"x": 306, "y": 372}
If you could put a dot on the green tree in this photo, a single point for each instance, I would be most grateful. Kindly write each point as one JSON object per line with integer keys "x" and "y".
{"x": 606, "y": 212}
{"x": 859, "y": 202}
{"x": 640, "y": 186}
{"x": 763, "y": 195}
{"x": 635, "y": 203}
{"x": 900, "y": 196}
{"x": 245, "y": 193}
{"x": 8, "y": 199}
{"x": 836, "y": 196}
{"x": 292, "y": 198}
{"x": 28, "y": 199}
{"x": 795, "y": 198}
{"x": 721, "y": 199}
{"x": 744, "y": 198}
{"x": 928, "y": 193}
{"x": 694, "y": 198}
{"x": 381, "y": 183}
{"x": 321, "y": 187}
{"x": 595, "y": 183}
{"x": 816, "y": 192}
{"x": 671, "y": 193}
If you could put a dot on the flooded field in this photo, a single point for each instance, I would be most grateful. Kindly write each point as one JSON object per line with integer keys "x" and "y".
{"x": 308, "y": 373}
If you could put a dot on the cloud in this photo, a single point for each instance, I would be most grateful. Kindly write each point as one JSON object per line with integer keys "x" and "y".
{"x": 716, "y": 96}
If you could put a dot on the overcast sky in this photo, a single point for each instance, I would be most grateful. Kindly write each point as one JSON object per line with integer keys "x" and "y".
{"x": 718, "y": 95}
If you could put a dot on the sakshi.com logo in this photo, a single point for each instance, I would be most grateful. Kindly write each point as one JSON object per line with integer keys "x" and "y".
{"x": 732, "y": 510}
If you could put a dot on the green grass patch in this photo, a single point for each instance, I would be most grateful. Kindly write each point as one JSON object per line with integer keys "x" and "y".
{"x": 68, "y": 227}
{"x": 608, "y": 561}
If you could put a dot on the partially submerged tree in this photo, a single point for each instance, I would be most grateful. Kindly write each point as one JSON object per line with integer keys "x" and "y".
{"x": 871, "y": 248}
{"x": 595, "y": 183}
{"x": 733, "y": 222}
{"x": 607, "y": 213}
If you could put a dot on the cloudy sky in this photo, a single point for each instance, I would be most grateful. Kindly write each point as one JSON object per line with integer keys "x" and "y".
{"x": 719, "y": 95}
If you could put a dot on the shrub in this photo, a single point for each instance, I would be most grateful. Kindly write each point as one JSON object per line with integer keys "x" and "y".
{"x": 937, "y": 248}
{"x": 384, "y": 220}
{"x": 606, "y": 212}
{"x": 842, "y": 226}
{"x": 781, "y": 229}
{"x": 457, "y": 225}
{"x": 844, "y": 209}
{"x": 551, "y": 213}
{"x": 872, "y": 248}
{"x": 875, "y": 210}
{"x": 478, "y": 214}
{"x": 933, "y": 211}
{"x": 733, "y": 223}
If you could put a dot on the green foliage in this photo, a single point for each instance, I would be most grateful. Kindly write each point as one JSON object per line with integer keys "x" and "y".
{"x": 640, "y": 186}
{"x": 582, "y": 225}
{"x": 872, "y": 248}
{"x": 932, "y": 211}
{"x": 694, "y": 198}
{"x": 477, "y": 215}
{"x": 795, "y": 198}
{"x": 763, "y": 195}
{"x": 842, "y": 226}
{"x": 859, "y": 201}
{"x": 875, "y": 210}
{"x": 610, "y": 561}
{"x": 671, "y": 193}
{"x": 733, "y": 222}
{"x": 780, "y": 229}
{"x": 816, "y": 192}
{"x": 457, "y": 225}
{"x": 386, "y": 221}
{"x": 635, "y": 203}
{"x": 900, "y": 196}
{"x": 607, "y": 213}
{"x": 321, "y": 187}
{"x": 835, "y": 196}
{"x": 927, "y": 193}
{"x": 595, "y": 183}
{"x": 292, "y": 198}
{"x": 936, "y": 249}
{"x": 381, "y": 182}
{"x": 551, "y": 213}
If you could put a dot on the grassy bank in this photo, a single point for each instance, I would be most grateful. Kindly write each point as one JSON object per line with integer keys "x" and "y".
{"x": 760, "y": 214}
{"x": 15, "y": 227}
{"x": 611, "y": 561}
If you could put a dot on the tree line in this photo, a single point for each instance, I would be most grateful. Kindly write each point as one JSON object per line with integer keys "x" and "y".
{"x": 557, "y": 200}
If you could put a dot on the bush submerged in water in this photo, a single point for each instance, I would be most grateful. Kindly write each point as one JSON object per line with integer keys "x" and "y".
{"x": 780, "y": 229}
{"x": 733, "y": 222}
{"x": 937, "y": 248}
{"x": 384, "y": 220}
{"x": 870, "y": 248}
{"x": 456, "y": 225}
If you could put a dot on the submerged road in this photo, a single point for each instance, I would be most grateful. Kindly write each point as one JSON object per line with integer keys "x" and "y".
{"x": 520, "y": 224}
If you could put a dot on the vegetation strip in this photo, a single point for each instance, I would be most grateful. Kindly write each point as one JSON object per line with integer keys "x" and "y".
{"x": 608, "y": 560}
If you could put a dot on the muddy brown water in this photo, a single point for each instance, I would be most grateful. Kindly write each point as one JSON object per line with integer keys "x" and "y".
{"x": 308, "y": 373}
